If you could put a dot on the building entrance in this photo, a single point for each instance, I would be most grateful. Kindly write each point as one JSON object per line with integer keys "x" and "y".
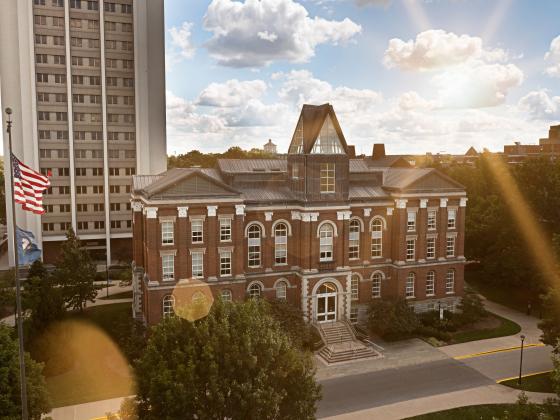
{"x": 326, "y": 303}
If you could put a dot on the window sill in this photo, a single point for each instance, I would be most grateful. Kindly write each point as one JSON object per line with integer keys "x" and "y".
{"x": 167, "y": 280}
{"x": 280, "y": 265}
{"x": 167, "y": 244}
{"x": 376, "y": 297}
{"x": 225, "y": 241}
{"x": 225, "y": 275}
{"x": 410, "y": 297}
{"x": 449, "y": 293}
{"x": 381, "y": 256}
{"x": 410, "y": 260}
{"x": 254, "y": 266}
{"x": 431, "y": 295}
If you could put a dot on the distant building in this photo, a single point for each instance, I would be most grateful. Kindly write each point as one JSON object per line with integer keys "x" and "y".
{"x": 270, "y": 148}
{"x": 549, "y": 146}
{"x": 319, "y": 228}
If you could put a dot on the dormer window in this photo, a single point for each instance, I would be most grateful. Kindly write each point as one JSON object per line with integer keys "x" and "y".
{"x": 327, "y": 142}
{"x": 295, "y": 171}
{"x": 297, "y": 143}
{"x": 327, "y": 178}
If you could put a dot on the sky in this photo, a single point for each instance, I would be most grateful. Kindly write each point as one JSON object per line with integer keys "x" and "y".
{"x": 418, "y": 75}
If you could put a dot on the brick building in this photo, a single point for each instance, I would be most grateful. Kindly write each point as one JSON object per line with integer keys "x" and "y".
{"x": 320, "y": 228}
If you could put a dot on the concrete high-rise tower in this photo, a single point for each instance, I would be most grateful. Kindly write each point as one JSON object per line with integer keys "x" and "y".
{"x": 86, "y": 82}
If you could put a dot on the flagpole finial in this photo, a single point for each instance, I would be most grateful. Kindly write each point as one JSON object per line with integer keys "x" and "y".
{"x": 9, "y": 111}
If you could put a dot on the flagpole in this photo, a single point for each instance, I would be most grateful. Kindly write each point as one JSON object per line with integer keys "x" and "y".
{"x": 22, "y": 376}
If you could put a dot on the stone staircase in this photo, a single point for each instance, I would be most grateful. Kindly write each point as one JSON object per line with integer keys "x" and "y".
{"x": 341, "y": 344}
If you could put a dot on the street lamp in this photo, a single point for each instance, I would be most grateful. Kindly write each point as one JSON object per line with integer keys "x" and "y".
{"x": 521, "y": 360}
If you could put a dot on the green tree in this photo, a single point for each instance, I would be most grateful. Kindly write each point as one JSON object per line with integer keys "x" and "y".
{"x": 290, "y": 318}
{"x": 471, "y": 308}
{"x": 392, "y": 318}
{"x": 37, "y": 395}
{"x": 43, "y": 297}
{"x": 236, "y": 363}
{"x": 7, "y": 293}
{"x": 76, "y": 273}
{"x": 550, "y": 323}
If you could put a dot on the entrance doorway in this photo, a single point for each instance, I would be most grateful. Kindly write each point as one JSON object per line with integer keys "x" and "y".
{"x": 326, "y": 303}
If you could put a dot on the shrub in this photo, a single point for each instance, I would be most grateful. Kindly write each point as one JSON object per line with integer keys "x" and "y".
{"x": 392, "y": 319}
{"x": 471, "y": 309}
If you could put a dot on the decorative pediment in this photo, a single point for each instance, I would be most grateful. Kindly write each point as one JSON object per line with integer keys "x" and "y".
{"x": 189, "y": 184}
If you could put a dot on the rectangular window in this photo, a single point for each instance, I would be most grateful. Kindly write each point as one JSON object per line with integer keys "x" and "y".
{"x": 280, "y": 246}
{"x": 83, "y": 225}
{"x": 411, "y": 221}
{"x": 168, "y": 267}
{"x": 48, "y": 227}
{"x": 92, "y": 5}
{"x": 432, "y": 219}
{"x": 451, "y": 218}
{"x": 41, "y": 58}
{"x": 326, "y": 245}
{"x": 430, "y": 283}
{"x": 450, "y": 246}
{"x": 59, "y": 59}
{"x": 82, "y": 207}
{"x": 167, "y": 231}
{"x": 430, "y": 247}
{"x": 225, "y": 230}
{"x": 410, "y": 249}
{"x": 197, "y": 231}
{"x": 225, "y": 263}
{"x": 354, "y": 315}
{"x": 58, "y": 21}
{"x": 450, "y": 282}
{"x": 64, "y": 226}
{"x": 327, "y": 175}
{"x": 197, "y": 264}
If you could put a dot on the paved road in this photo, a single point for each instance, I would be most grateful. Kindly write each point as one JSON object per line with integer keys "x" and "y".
{"x": 359, "y": 392}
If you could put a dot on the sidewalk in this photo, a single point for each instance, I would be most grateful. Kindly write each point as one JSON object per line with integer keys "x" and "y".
{"x": 491, "y": 394}
{"x": 87, "y": 411}
{"x": 527, "y": 323}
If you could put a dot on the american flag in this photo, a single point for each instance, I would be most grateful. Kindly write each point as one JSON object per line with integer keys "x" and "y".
{"x": 29, "y": 187}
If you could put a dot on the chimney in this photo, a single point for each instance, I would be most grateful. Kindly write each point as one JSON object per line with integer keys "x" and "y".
{"x": 351, "y": 151}
{"x": 378, "y": 151}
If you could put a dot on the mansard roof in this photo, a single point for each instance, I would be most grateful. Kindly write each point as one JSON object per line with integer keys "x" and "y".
{"x": 312, "y": 118}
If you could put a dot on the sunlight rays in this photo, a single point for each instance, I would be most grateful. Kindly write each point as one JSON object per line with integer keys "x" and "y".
{"x": 495, "y": 19}
{"x": 526, "y": 220}
{"x": 417, "y": 14}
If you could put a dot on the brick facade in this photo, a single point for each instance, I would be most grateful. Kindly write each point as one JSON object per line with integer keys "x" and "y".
{"x": 256, "y": 196}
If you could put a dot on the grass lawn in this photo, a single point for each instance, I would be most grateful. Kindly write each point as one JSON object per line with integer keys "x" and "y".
{"x": 121, "y": 295}
{"x": 505, "y": 328}
{"x": 475, "y": 412}
{"x": 534, "y": 383}
{"x": 83, "y": 362}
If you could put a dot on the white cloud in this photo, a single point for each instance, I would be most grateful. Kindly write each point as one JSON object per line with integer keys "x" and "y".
{"x": 256, "y": 33}
{"x": 553, "y": 57}
{"x": 409, "y": 101}
{"x": 540, "y": 105}
{"x": 182, "y": 116}
{"x": 231, "y": 93}
{"x": 299, "y": 87}
{"x": 478, "y": 85}
{"x": 181, "y": 39}
{"x": 436, "y": 49}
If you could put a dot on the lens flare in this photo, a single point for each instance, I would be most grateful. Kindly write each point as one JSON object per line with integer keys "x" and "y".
{"x": 526, "y": 220}
{"x": 193, "y": 299}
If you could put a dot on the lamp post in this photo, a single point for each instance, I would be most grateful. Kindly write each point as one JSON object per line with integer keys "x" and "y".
{"x": 521, "y": 360}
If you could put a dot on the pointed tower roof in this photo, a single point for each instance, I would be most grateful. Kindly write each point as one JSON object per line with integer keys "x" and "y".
{"x": 309, "y": 126}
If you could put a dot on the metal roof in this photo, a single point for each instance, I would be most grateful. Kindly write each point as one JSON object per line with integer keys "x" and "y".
{"x": 237, "y": 166}
{"x": 365, "y": 191}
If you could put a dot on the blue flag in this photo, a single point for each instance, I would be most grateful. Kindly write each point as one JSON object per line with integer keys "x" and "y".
{"x": 28, "y": 251}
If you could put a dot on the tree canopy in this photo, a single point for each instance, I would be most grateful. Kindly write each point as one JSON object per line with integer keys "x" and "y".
{"x": 236, "y": 363}
{"x": 37, "y": 395}
{"x": 76, "y": 273}
{"x": 209, "y": 160}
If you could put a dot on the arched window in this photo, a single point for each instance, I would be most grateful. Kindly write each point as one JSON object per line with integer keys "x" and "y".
{"x": 254, "y": 235}
{"x": 355, "y": 286}
{"x": 450, "y": 281}
{"x": 281, "y": 244}
{"x": 281, "y": 290}
{"x": 354, "y": 239}
{"x": 376, "y": 285}
{"x": 226, "y": 295}
{"x": 168, "y": 306}
{"x": 430, "y": 283}
{"x": 326, "y": 234}
{"x": 255, "y": 291}
{"x": 410, "y": 282}
{"x": 377, "y": 238}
